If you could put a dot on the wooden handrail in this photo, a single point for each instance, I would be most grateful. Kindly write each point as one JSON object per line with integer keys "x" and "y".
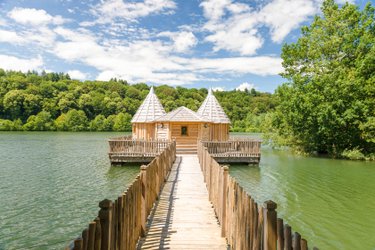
{"x": 127, "y": 145}
{"x": 234, "y": 147}
{"x": 245, "y": 224}
{"x": 121, "y": 222}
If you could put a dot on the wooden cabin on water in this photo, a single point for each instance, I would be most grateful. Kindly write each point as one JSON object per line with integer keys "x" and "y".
{"x": 186, "y": 127}
{"x": 153, "y": 129}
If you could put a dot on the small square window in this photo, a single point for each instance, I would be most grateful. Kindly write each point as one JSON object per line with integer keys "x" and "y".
{"x": 184, "y": 130}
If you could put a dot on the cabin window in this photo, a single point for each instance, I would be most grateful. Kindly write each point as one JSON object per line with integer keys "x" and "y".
{"x": 184, "y": 130}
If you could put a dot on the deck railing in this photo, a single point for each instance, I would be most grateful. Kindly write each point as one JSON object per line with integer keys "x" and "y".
{"x": 244, "y": 223}
{"x": 126, "y": 146}
{"x": 233, "y": 147}
{"x": 120, "y": 223}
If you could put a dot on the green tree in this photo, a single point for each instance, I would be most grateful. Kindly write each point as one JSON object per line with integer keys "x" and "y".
{"x": 327, "y": 104}
{"x": 122, "y": 122}
{"x": 40, "y": 122}
{"x": 98, "y": 123}
{"x": 74, "y": 120}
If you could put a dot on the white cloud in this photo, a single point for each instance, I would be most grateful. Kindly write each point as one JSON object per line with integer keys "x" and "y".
{"x": 15, "y": 63}
{"x": 232, "y": 27}
{"x": 258, "y": 65}
{"x": 34, "y": 17}
{"x": 76, "y": 74}
{"x": 108, "y": 10}
{"x": 182, "y": 41}
{"x": 282, "y": 16}
{"x": 11, "y": 37}
{"x": 245, "y": 85}
{"x": 153, "y": 61}
{"x": 236, "y": 27}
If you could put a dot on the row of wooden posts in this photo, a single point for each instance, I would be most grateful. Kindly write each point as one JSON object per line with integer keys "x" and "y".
{"x": 246, "y": 147}
{"x": 122, "y": 222}
{"x": 244, "y": 223}
{"x": 126, "y": 145}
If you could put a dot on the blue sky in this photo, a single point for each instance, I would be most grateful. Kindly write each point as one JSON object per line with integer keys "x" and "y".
{"x": 222, "y": 44}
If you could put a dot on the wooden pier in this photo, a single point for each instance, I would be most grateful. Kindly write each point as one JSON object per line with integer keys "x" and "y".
{"x": 183, "y": 218}
{"x": 187, "y": 204}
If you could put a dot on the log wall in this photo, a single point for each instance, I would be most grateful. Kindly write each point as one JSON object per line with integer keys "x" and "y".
{"x": 245, "y": 223}
{"x": 121, "y": 222}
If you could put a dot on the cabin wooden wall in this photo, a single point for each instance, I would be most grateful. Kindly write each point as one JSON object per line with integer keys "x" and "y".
{"x": 162, "y": 131}
{"x": 219, "y": 132}
{"x": 193, "y": 132}
{"x": 143, "y": 131}
{"x": 214, "y": 132}
{"x": 204, "y": 134}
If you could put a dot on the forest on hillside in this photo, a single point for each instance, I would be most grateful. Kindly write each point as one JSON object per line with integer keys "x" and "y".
{"x": 52, "y": 101}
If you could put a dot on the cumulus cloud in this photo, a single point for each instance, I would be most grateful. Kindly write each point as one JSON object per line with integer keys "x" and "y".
{"x": 182, "y": 41}
{"x": 232, "y": 27}
{"x": 108, "y": 10}
{"x": 11, "y": 37}
{"x": 152, "y": 60}
{"x": 76, "y": 74}
{"x": 244, "y": 86}
{"x": 282, "y": 16}
{"x": 34, "y": 17}
{"x": 236, "y": 27}
{"x": 15, "y": 63}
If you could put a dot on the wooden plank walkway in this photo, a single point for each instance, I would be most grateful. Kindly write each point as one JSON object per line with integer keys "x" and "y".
{"x": 184, "y": 218}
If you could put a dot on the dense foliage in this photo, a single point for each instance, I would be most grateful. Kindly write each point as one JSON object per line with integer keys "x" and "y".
{"x": 328, "y": 103}
{"x": 52, "y": 101}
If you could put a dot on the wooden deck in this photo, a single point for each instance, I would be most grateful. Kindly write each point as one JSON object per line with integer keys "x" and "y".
{"x": 234, "y": 150}
{"x": 184, "y": 218}
{"x": 126, "y": 150}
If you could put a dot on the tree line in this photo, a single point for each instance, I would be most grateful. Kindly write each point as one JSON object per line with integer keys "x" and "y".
{"x": 52, "y": 101}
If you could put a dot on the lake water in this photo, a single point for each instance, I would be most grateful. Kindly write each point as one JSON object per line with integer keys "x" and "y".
{"x": 51, "y": 183}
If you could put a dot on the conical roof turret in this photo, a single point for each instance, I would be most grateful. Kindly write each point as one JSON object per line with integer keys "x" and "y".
{"x": 212, "y": 110}
{"x": 150, "y": 109}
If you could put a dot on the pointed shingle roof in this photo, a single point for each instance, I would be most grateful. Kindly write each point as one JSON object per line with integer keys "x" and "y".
{"x": 150, "y": 109}
{"x": 212, "y": 110}
{"x": 181, "y": 114}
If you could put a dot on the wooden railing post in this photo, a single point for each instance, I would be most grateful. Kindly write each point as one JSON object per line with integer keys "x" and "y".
{"x": 270, "y": 225}
{"x": 280, "y": 233}
{"x": 287, "y": 237}
{"x": 296, "y": 241}
{"x": 105, "y": 215}
{"x": 78, "y": 244}
{"x": 143, "y": 200}
{"x": 98, "y": 234}
{"x": 224, "y": 201}
{"x": 91, "y": 235}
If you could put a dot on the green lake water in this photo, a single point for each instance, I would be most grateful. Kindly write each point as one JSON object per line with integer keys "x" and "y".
{"x": 51, "y": 183}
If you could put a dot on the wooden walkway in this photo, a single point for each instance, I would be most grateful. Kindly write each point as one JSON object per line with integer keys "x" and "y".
{"x": 184, "y": 218}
